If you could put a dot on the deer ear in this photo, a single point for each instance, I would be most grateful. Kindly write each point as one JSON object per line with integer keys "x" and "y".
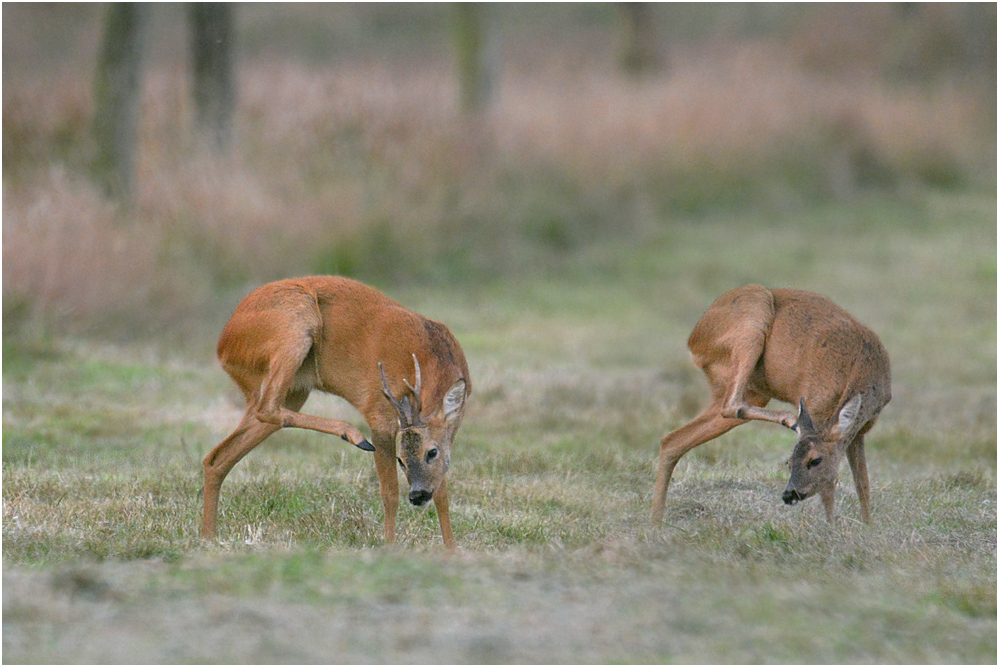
{"x": 848, "y": 414}
{"x": 455, "y": 398}
{"x": 805, "y": 424}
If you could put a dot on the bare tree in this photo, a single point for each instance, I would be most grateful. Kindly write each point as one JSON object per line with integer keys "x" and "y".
{"x": 212, "y": 63}
{"x": 636, "y": 42}
{"x": 476, "y": 56}
{"x": 117, "y": 94}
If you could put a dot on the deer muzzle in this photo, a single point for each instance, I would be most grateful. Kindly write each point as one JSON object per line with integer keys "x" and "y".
{"x": 791, "y": 496}
{"x": 420, "y": 497}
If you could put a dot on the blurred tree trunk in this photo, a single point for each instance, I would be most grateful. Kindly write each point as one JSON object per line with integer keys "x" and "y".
{"x": 212, "y": 63}
{"x": 979, "y": 42}
{"x": 636, "y": 42}
{"x": 117, "y": 95}
{"x": 476, "y": 56}
{"x": 979, "y": 45}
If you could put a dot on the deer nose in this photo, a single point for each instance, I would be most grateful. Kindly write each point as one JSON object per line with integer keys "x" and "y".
{"x": 791, "y": 497}
{"x": 420, "y": 497}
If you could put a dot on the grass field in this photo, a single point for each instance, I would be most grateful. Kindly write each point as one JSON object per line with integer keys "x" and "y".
{"x": 570, "y": 237}
{"x": 578, "y": 369}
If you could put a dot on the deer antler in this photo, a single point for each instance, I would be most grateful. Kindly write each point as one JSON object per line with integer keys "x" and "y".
{"x": 409, "y": 410}
{"x": 415, "y": 390}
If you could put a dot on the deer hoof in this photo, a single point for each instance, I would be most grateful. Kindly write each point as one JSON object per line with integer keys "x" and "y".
{"x": 363, "y": 445}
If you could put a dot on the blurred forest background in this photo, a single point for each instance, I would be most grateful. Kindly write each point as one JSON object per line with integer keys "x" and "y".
{"x": 442, "y": 142}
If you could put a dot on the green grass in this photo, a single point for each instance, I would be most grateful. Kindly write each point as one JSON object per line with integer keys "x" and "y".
{"x": 578, "y": 368}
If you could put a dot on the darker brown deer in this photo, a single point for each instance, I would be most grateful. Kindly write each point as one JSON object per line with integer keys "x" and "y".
{"x": 336, "y": 335}
{"x": 754, "y": 345}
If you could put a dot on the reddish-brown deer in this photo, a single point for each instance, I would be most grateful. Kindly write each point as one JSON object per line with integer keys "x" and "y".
{"x": 340, "y": 336}
{"x": 754, "y": 345}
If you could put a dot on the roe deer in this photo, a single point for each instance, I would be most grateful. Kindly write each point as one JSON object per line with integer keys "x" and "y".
{"x": 755, "y": 345}
{"x": 336, "y": 335}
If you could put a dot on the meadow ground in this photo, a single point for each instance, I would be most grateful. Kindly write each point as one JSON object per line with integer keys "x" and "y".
{"x": 577, "y": 372}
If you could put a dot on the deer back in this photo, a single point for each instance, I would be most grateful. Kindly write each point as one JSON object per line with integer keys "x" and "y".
{"x": 361, "y": 329}
{"x": 819, "y": 352}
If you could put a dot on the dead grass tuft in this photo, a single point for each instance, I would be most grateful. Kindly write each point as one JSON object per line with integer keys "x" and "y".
{"x": 69, "y": 260}
{"x": 366, "y": 169}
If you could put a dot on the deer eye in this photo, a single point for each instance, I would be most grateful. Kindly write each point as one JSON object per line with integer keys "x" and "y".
{"x": 813, "y": 463}
{"x": 431, "y": 455}
{"x": 401, "y": 464}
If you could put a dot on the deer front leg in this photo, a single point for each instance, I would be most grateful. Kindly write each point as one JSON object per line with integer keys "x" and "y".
{"x": 441, "y": 504}
{"x": 827, "y": 496}
{"x": 859, "y": 469}
{"x": 388, "y": 480}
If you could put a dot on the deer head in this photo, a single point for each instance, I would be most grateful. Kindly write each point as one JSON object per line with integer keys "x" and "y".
{"x": 423, "y": 444}
{"x": 815, "y": 461}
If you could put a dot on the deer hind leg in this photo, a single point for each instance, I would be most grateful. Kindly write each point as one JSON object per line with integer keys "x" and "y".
{"x": 220, "y": 461}
{"x": 728, "y": 344}
{"x": 250, "y": 433}
{"x": 741, "y": 402}
{"x": 289, "y": 373}
{"x": 710, "y": 424}
{"x": 859, "y": 470}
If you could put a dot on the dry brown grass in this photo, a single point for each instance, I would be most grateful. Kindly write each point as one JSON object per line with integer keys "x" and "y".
{"x": 365, "y": 168}
{"x": 67, "y": 259}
